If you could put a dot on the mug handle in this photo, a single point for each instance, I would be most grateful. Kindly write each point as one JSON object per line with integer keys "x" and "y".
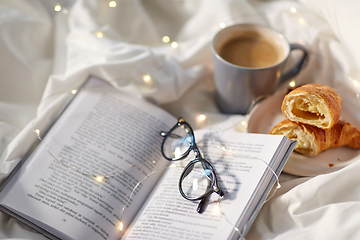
{"x": 296, "y": 69}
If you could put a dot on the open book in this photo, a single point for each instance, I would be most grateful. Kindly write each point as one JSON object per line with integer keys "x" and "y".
{"x": 58, "y": 190}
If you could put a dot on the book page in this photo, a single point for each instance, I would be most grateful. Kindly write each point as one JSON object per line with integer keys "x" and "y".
{"x": 101, "y": 132}
{"x": 167, "y": 215}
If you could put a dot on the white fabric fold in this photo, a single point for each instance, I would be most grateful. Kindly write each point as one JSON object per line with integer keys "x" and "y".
{"x": 324, "y": 207}
{"x": 45, "y": 54}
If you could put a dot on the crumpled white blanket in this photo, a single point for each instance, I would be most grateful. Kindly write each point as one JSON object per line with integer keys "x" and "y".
{"x": 47, "y": 53}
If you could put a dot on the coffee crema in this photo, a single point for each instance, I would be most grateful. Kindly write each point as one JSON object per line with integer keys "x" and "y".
{"x": 252, "y": 50}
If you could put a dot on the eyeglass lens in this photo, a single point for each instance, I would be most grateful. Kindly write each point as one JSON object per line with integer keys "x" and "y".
{"x": 197, "y": 180}
{"x": 177, "y": 142}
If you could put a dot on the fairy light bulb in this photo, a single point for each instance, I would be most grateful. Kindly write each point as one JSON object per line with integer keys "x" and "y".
{"x": 292, "y": 83}
{"x": 112, "y": 4}
{"x": 73, "y": 91}
{"x": 202, "y": 117}
{"x": 244, "y": 123}
{"x": 99, "y": 34}
{"x": 216, "y": 210}
{"x": 222, "y": 25}
{"x": 174, "y": 44}
{"x": 166, "y": 39}
{"x": 147, "y": 78}
{"x": 293, "y": 10}
{"x": 57, "y": 8}
{"x": 301, "y": 21}
{"x": 121, "y": 226}
{"x": 37, "y": 131}
{"x": 356, "y": 83}
{"x": 100, "y": 178}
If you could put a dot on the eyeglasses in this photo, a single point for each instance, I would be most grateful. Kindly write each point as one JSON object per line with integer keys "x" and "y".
{"x": 198, "y": 180}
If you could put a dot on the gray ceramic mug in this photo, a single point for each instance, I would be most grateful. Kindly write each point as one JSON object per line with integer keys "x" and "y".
{"x": 248, "y": 64}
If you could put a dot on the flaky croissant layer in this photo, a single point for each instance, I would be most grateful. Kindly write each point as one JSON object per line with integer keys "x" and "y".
{"x": 313, "y": 140}
{"x": 314, "y": 104}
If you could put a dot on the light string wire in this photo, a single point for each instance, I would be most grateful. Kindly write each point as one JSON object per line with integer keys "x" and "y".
{"x": 294, "y": 13}
{"x": 222, "y": 25}
{"x": 234, "y": 126}
{"x": 242, "y": 237}
{"x": 269, "y": 195}
{"x": 112, "y": 174}
{"x": 73, "y": 91}
{"x": 101, "y": 177}
{"x": 97, "y": 176}
{"x": 258, "y": 16}
{"x": 134, "y": 189}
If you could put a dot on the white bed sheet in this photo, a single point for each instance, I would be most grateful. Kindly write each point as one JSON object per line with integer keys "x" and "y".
{"x": 47, "y": 53}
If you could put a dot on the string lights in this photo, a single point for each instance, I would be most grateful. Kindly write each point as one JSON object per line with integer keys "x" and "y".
{"x": 174, "y": 44}
{"x": 121, "y": 226}
{"x": 354, "y": 82}
{"x": 166, "y": 39}
{"x": 254, "y": 158}
{"x": 148, "y": 79}
{"x": 301, "y": 20}
{"x": 112, "y": 4}
{"x": 202, "y": 117}
{"x": 102, "y": 178}
{"x": 57, "y": 8}
{"x": 292, "y": 83}
{"x": 99, "y": 34}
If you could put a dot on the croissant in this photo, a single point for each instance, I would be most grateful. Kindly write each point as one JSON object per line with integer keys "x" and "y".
{"x": 312, "y": 140}
{"x": 314, "y": 104}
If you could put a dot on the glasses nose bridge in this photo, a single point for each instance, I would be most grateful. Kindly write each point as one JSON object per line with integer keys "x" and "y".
{"x": 196, "y": 151}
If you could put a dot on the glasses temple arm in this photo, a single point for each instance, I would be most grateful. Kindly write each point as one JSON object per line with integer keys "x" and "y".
{"x": 202, "y": 204}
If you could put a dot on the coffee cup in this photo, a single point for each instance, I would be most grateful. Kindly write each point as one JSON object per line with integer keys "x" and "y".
{"x": 248, "y": 64}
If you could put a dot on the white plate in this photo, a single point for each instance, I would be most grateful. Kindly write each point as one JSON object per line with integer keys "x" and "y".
{"x": 268, "y": 113}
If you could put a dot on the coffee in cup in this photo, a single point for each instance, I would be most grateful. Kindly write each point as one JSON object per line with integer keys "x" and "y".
{"x": 256, "y": 51}
{"x": 248, "y": 64}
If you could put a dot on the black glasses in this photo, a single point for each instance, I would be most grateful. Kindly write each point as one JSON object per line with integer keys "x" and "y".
{"x": 198, "y": 180}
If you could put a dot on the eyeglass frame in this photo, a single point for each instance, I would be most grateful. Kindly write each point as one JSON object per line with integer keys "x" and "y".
{"x": 198, "y": 158}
